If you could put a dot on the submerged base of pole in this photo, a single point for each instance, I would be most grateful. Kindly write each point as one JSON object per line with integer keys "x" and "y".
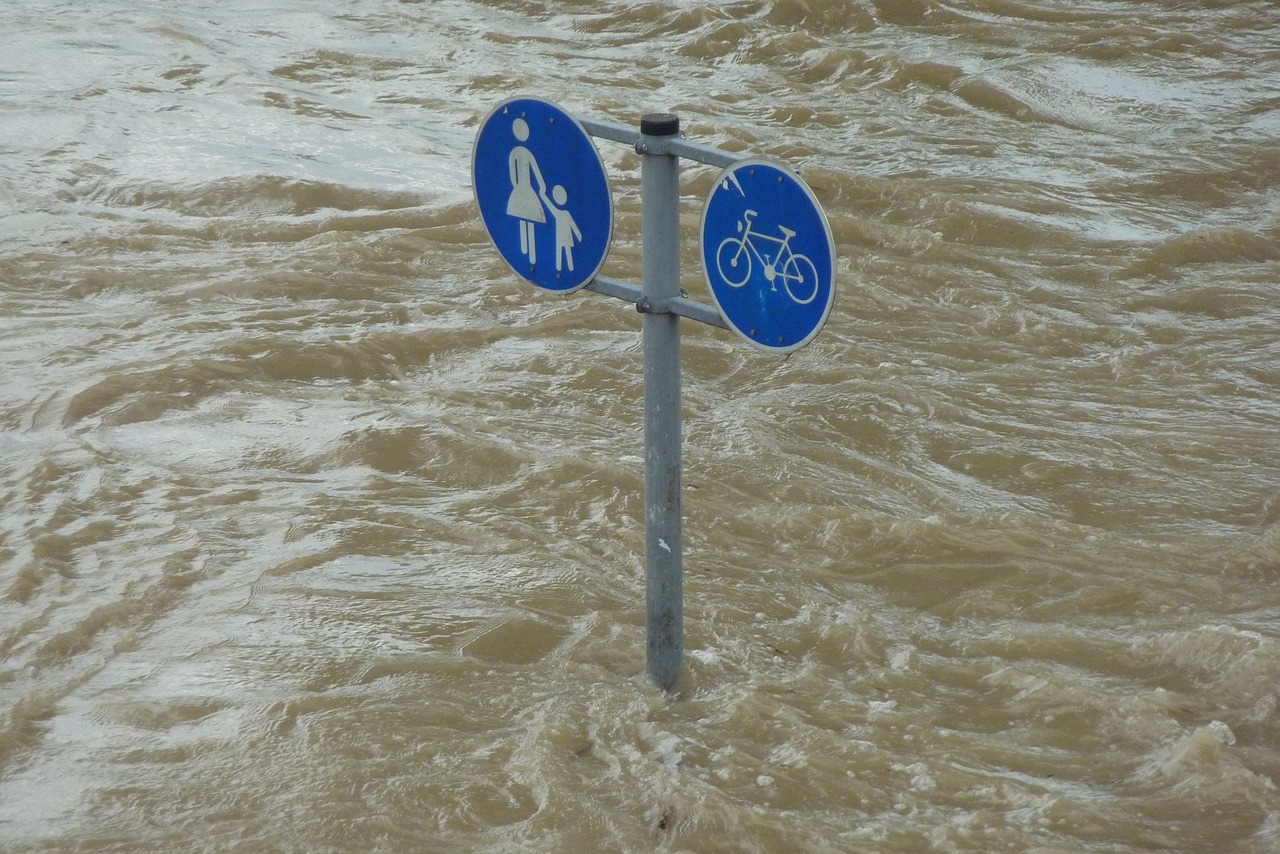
{"x": 664, "y": 570}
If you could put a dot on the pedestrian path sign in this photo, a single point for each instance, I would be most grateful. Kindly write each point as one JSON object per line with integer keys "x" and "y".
{"x": 543, "y": 193}
{"x": 768, "y": 255}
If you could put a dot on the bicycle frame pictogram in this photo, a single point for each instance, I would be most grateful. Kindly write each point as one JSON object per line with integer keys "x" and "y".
{"x": 785, "y": 264}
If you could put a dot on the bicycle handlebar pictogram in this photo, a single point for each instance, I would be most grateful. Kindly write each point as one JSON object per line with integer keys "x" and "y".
{"x": 734, "y": 261}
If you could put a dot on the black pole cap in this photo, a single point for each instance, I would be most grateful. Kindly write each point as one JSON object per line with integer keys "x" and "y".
{"x": 660, "y": 124}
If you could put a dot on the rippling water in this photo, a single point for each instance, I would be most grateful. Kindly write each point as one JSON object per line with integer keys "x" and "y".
{"x": 321, "y": 532}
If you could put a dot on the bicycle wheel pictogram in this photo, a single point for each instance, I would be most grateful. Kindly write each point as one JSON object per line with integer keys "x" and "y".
{"x": 800, "y": 278}
{"x": 734, "y": 262}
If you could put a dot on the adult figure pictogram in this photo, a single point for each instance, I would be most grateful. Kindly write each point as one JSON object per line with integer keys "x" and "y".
{"x": 525, "y": 202}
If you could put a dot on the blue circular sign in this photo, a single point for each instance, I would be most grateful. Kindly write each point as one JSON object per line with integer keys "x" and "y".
{"x": 768, "y": 255}
{"x": 543, "y": 193}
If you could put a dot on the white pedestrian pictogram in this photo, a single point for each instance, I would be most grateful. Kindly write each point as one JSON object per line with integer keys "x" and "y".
{"x": 524, "y": 203}
{"x": 567, "y": 233}
{"x": 531, "y": 205}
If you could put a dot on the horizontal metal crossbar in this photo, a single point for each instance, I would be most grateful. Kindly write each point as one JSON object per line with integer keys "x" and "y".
{"x": 679, "y": 146}
{"x": 682, "y": 306}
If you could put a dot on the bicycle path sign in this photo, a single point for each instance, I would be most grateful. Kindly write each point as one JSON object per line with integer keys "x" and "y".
{"x": 543, "y": 193}
{"x": 768, "y": 255}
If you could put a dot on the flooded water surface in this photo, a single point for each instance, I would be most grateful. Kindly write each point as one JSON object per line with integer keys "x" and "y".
{"x": 321, "y": 531}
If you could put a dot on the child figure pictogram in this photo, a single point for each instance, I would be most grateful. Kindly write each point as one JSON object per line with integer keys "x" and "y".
{"x": 567, "y": 232}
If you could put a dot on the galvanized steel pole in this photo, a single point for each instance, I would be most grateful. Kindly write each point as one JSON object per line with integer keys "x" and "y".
{"x": 660, "y": 269}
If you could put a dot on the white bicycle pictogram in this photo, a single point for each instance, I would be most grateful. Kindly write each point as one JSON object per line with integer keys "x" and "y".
{"x": 798, "y": 274}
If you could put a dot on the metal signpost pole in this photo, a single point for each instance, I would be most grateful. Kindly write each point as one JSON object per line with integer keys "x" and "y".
{"x": 660, "y": 282}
